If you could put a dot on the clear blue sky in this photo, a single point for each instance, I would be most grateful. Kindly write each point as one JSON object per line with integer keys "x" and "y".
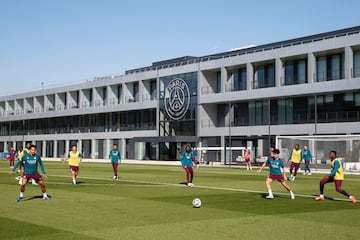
{"x": 65, "y": 41}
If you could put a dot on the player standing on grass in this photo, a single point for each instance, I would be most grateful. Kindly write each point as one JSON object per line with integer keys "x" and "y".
{"x": 12, "y": 154}
{"x": 306, "y": 156}
{"x": 295, "y": 158}
{"x": 31, "y": 162}
{"x": 74, "y": 157}
{"x": 187, "y": 163}
{"x": 115, "y": 158}
{"x": 247, "y": 159}
{"x": 277, "y": 172}
{"x": 336, "y": 175}
{"x": 26, "y": 151}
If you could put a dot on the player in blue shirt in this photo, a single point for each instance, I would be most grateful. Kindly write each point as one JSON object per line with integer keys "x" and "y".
{"x": 115, "y": 158}
{"x": 306, "y": 157}
{"x": 186, "y": 160}
{"x": 277, "y": 172}
{"x": 31, "y": 161}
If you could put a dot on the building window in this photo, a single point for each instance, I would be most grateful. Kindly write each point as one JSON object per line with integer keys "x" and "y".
{"x": 237, "y": 80}
{"x": 295, "y": 72}
{"x": 258, "y": 113}
{"x": 264, "y": 76}
{"x": 330, "y": 67}
{"x": 356, "y": 67}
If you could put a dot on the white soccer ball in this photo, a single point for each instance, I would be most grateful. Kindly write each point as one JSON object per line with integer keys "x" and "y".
{"x": 196, "y": 202}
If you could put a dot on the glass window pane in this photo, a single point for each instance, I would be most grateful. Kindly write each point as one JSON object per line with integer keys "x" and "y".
{"x": 356, "y": 64}
{"x": 321, "y": 69}
{"x": 301, "y": 71}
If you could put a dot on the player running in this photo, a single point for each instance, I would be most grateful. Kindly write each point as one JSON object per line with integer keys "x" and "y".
{"x": 115, "y": 158}
{"x": 276, "y": 168}
{"x": 295, "y": 158}
{"x": 336, "y": 175}
{"x": 187, "y": 163}
{"x": 31, "y": 162}
{"x": 74, "y": 158}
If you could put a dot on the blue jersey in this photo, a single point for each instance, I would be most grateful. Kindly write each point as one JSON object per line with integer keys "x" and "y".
{"x": 275, "y": 166}
{"x": 115, "y": 155}
{"x": 31, "y": 163}
{"x": 306, "y": 155}
{"x": 187, "y": 159}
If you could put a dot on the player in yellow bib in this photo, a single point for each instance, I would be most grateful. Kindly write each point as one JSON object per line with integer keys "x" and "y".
{"x": 74, "y": 157}
{"x": 295, "y": 158}
{"x": 336, "y": 175}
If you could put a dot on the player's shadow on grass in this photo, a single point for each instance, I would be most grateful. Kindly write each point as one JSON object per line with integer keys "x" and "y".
{"x": 183, "y": 183}
{"x": 36, "y": 197}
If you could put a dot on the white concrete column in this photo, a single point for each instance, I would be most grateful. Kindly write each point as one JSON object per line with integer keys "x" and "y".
{"x": 108, "y": 147}
{"x": 223, "y": 149}
{"x": 93, "y": 149}
{"x": 123, "y": 148}
{"x": 279, "y": 73}
{"x": 43, "y": 152}
{"x": 311, "y": 68}
{"x": 67, "y": 147}
{"x": 79, "y": 145}
{"x": 249, "y": 75}
{"x": 55, "y": 149}
{"x": 349, "y": 63}
{"x": 223, "y": 79}
{"x": 249, "y": 145}
{"x": 142, "y": 97}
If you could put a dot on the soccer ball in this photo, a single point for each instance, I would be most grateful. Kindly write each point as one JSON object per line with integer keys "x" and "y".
{"x": 196, "y": 202}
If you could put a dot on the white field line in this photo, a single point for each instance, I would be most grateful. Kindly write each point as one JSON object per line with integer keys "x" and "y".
{"x": 151, "y": 184}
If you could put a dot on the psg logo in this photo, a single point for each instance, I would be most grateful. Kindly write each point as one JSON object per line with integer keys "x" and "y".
{"x": 177, "y": 98}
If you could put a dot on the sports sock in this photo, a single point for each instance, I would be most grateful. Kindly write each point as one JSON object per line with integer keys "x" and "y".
{"x": 270, "y": 192}
{"x": 74, "y": 181}
{"x": 21, "y": 194}
{"x": 344, "y": 193}
{"x": 44, "y": 195}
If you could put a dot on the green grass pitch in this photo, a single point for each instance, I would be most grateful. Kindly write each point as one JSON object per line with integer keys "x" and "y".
{"x": 149, "y": 202}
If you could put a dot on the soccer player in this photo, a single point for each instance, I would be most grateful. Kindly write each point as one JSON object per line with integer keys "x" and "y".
{"x": 31, "y": 162}
{"x": 277, "y": 172}
{"x": 336, "y": 175}
{"x": 295, "y": 158}
{"x": 18, "y": 156}
{"x": 247, "y": 159}
{"x": 187, "y": 163}
{"x": 74, "y": 157}
{"x": 22, "y": 166}
{"x": 306, "y": 157}
{"x": 12, "y": 154}
{"x": 115, "y": 158}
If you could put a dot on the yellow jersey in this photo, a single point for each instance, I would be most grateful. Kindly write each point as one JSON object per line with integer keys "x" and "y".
{"x": 339, "y": 175}
{"x": 296, "y": 156}
{"x": 20, "y": 154}
{"x": 74, "y": 158}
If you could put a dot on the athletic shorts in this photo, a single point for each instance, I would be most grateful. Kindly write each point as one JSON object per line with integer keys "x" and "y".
{"x": 295, "y": 166}
{"x": 37, "y": 177}
{"x": 280, "y": 177}
{"x": 247, "y": 159}
{"x": 74, "y": 168}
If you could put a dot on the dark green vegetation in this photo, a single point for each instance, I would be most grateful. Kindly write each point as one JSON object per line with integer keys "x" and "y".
{"x": 149, "y": 202}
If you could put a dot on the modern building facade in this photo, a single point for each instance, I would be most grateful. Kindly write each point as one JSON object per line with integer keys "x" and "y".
{"x": 244, "y": 97}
